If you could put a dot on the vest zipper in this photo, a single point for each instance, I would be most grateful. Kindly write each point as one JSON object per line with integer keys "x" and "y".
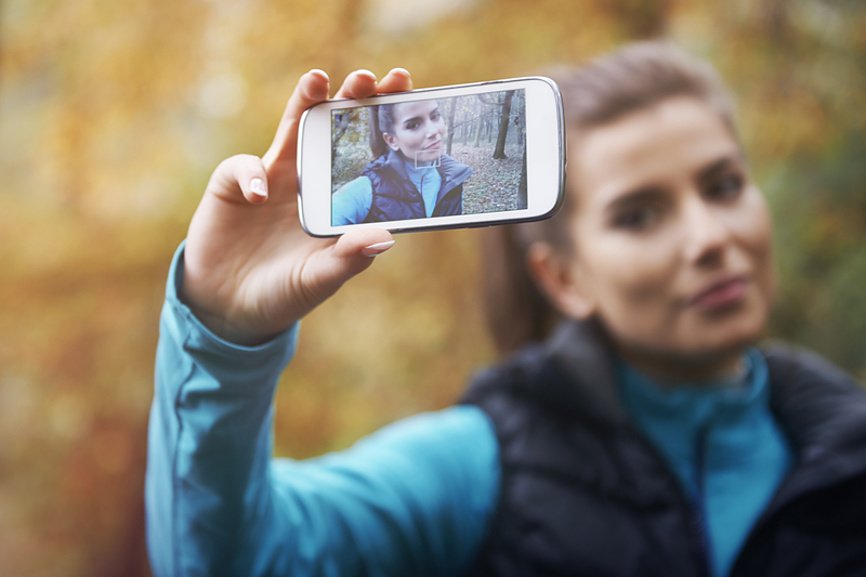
{"x": 699, "y": 511}
{"x": 694, "y": 514}
{"x": 778, "y": 503}
{"x": 423, "y": 200}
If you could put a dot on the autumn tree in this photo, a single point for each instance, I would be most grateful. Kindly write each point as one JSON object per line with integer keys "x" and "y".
{"x": 504, "y": 121}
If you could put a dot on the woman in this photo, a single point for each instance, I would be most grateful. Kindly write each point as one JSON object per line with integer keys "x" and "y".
{"x": 411, "y": 177}
{"x": 646, "y": 437}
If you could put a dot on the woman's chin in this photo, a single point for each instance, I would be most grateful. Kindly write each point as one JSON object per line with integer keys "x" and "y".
{"x": 430, "y": 155}
{"x": 726, "y": 341}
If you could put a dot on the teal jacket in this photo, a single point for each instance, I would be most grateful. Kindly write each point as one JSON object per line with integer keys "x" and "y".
{"x": 416, "y": 498}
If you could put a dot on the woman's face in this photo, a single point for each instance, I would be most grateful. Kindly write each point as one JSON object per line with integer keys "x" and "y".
{"x": 672, "y": 238}
{"x": 418, "y": 131}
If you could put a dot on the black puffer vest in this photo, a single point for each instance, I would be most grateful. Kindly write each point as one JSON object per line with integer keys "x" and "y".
{"x": 396, "y": 198}
{"x": 583, "y": 494}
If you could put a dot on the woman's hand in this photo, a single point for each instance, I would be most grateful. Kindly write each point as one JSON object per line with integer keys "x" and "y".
{"x": 250, "y": 271}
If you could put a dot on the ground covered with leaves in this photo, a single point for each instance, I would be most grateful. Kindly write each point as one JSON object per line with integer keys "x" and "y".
{"x": 495, "y": 184}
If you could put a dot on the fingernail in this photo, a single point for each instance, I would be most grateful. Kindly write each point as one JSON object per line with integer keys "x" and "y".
{"x": 402, "y": 71}
{"x": 378, "y": 248}
{"x": 257, "y": 187}
{"x": 318, "y": 90}
{"x": 365, "y": 72}
{"x": 320, "y": 72}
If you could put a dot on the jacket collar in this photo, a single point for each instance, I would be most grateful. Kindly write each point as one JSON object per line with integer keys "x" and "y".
{"x": 823, "y": 413}
{"x": 453, "y": 173}
{"x": 581, "y": 351}
{"x": 821, "y": 409}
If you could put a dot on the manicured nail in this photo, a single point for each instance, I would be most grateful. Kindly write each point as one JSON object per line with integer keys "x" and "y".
{"x": 378, "y": 248}
{"x": 320, "y": 72}
{"x": 365, "y": 72}
{"x": 257, "y": 187}
{"x": 399, "y": 70}
{"x": 319, "y": 90}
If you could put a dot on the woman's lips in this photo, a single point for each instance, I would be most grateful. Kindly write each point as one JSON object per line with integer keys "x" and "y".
{"x": 720, "y": 295}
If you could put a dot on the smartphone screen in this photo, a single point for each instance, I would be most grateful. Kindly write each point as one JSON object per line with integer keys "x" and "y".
{"x": 453, "y": 156}
{"x": 445, "y": 156}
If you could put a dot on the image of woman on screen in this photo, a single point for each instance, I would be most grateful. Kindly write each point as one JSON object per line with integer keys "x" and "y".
{"x": 411, "y": 176}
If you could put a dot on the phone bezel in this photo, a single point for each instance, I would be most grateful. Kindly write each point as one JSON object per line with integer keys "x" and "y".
{"x": 545, "y": 152}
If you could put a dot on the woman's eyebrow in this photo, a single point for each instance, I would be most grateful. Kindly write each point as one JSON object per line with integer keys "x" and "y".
{"x": 638, "y": 195}
{"x": 720, "y": 165}
{"x": 419, "y": 117}
{"x": 416, "y": 118}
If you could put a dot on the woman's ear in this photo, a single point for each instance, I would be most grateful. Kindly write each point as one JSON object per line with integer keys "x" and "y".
{"x": 560, "y": 281}
{"x": 390, "y": 141}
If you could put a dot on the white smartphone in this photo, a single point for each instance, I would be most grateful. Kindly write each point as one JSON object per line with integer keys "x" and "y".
{"x": 455, "y": 156}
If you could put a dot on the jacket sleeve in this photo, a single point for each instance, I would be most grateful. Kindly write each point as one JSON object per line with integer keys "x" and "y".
{"x": 414, "y": 498}
{"x": 352, "y": 202}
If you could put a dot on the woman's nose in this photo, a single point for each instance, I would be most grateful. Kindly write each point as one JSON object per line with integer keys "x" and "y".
{"x": 706, "y": 234}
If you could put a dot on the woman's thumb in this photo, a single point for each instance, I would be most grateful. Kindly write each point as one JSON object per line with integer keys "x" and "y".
{"x": 355, "y": 250}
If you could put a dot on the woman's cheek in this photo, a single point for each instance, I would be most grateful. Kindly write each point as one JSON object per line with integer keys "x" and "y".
{"x": 633, "y": 270}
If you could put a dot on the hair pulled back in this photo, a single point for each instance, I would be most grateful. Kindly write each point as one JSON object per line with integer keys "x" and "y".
{"x": 606, "y": 89}
{"x": 381, "y": 120}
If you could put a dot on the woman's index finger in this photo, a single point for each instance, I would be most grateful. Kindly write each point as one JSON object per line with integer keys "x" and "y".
{"x": 397, "y": 80}
{"x": 312, "y": 88}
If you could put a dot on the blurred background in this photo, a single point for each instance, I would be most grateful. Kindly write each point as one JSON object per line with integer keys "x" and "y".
{"x": 113, "y": 113}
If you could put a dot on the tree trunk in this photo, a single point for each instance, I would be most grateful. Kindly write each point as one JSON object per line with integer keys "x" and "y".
{"x": 451, "y": 126}
{"x": 503, "y": 126}
{"x": 521, "y": 191}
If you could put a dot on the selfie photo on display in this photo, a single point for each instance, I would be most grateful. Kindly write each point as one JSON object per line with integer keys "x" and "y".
{"x": 429, "y": 158}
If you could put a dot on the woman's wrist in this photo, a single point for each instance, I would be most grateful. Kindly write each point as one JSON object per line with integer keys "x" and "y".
{"x": 225, "y": 328}
{"x": 231, "y": 332}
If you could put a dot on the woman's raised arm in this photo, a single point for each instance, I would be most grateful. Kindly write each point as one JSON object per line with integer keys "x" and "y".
{"x": 250, "y": 271}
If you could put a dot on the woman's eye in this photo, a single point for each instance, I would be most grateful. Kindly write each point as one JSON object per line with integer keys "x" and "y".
{"x": 412, "y": 125}
{"x": 435, "y": 115}
{"x": 726, "y": 187}
{"x": 637, "y": 219}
